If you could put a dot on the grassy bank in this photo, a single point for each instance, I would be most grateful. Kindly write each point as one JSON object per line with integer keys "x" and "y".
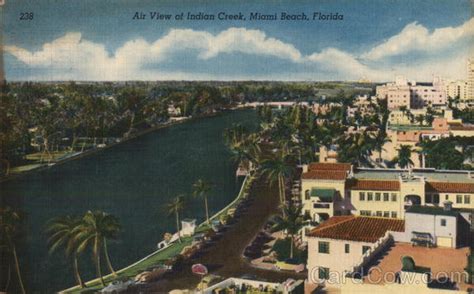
{"x": 160, "y": 256}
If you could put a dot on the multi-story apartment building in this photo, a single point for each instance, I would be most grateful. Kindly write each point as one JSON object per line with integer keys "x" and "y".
{"x": 470, "y": 79}
{"x": 410, "y": 95}
{"x": 457, "y": 89}
{"x": 330, "y": 189}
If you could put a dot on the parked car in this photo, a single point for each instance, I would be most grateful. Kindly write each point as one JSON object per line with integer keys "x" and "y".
{"x": 118, "y": 286}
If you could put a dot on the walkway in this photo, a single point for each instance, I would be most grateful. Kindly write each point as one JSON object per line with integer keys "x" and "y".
{"x": 225, "y": 257}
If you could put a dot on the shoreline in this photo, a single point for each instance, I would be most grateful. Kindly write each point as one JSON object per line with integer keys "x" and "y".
{"x": 247, "y": 181}
{"x": 96, "y": 150}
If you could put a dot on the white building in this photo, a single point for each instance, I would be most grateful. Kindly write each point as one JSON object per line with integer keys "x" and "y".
{"x": 345, "y": 244}
{"x": 457, "y": 89}
{"x": 470, "y": 79}
{"x": 436, "y": 226}
{"x": 410, "y": 95}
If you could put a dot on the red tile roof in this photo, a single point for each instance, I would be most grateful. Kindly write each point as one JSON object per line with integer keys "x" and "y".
{"x": 462, "y": 127}
{"x": 338, "y": 175}
{"x": 441, "y": 187}
{"x": 357, "y": 228}
{"x": 329, "y": 166}
{"x": 374, "y": 185}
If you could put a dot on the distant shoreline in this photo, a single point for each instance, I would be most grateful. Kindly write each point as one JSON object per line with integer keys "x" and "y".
{"x": 97, "y": 150}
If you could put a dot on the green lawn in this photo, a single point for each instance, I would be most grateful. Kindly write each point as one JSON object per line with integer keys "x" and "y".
{"x": 157, "y": 258}
{"x": 131, "y": 272}
{"x": 282, "y": 248}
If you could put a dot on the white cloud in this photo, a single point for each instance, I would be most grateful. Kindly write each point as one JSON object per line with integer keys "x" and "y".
{"x": 416, "y": 37}
{"x": 73, "y": 53}
{"x": 73, "y": 57}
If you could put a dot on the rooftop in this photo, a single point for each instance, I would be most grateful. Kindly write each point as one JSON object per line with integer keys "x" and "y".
{"x": 329, "y": 166}
{"x": 431, "y": 175}
{"x": 357, "y": 228}
{"x": 375, "y": 185}
{"x": 441, "y": 261}
{"x": 338, "y": 175}
{"x": 450, "y": 187}
{"x": 436, "y": 210}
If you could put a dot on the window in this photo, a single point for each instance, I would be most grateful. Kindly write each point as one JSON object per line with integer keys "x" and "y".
{"x": 306, "y": 195}
{"x": 394, "y": 214}
{"x": 323, "y": 273}
{"x": 365, "y": 249}
{"x": 385, "y": 196}
{"x": 467, "y": 199}
{"x": 323, "y": 247}
{"x": 365, "y": 212}
{"x": 443, "y": 222}
{"x": 347, "y": 248}
{"x": 432, "y": 198}
{"x": 446, "y": 197}
{"x": 386, "y": 214}
{"x": 394, "y": 197}
{"x": 377, "y": 196}
{"x": 370, "y": 196}
{"x": 361, "y": 196}
{"x": 379, "y": 213}
{"x": 458, "y": 198}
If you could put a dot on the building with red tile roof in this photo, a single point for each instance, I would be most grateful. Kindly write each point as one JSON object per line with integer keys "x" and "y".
{"x": 357, "y": 228}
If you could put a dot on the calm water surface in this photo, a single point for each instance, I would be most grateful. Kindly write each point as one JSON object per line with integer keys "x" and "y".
{"x": 132, "y": 181}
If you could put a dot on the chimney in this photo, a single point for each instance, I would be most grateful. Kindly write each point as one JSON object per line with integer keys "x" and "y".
{"x": 447, "y": 205}
{"x": 305, "y": 168}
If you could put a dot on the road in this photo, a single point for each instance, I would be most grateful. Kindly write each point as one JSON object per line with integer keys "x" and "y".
{"x": 225, "y": 257}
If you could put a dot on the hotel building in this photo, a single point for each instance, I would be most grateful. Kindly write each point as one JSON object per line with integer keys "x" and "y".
{"x": 410, "y": 95}
{"x": 332, "y": 189}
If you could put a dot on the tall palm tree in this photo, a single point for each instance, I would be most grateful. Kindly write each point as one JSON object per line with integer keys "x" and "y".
{"x": 96, "y": 227}
{"x": 175, "y": 206}
{"x": 201, "y": 189}
{"x": 278, "y": 168}
{"x": 379, "y": 141}
{"x": 63, "y": 234}
{"x": 404, "y": 156}
{"x": 10, "y": 223}
{"x": 420, "y": 119}
{"x": 291, "y": 222}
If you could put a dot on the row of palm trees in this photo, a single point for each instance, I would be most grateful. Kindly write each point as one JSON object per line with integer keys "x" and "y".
{"x": 201, "y": 189}
{"x": 75, "y": 235}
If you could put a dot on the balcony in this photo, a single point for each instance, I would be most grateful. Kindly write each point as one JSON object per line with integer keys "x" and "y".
{"x": 322, "y": 205}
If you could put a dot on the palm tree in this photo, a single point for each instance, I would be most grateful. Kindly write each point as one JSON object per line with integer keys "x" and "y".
{"x": 278, "y": 168}
{"x": 96, "y": 227}
{"x": 174, "y": 207}
{"x": 404, "y": 156}
{"x": 63, "y": 233}
{"x": 379, "y": 141}
{"x": 292, "y": 221}
{"x": 10, "y": 223}
{"x": 420, "y": 119}
{"x": 201, "y": 189}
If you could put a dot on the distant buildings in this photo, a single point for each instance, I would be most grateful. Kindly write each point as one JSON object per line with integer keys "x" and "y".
{"x": 403, "y": 93}
{"x": 470, "y": 79}
{"x": 457, "y": 89}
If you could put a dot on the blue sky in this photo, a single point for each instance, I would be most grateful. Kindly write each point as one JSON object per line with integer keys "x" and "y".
{"x": 98, "y": 40}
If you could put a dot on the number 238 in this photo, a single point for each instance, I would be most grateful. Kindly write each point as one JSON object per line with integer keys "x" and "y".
{"x": 26, "y": 16}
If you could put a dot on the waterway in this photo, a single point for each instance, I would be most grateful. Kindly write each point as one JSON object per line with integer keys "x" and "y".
{"x": 132, "y": 181}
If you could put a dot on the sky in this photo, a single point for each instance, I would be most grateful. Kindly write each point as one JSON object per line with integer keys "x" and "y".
{"x": 100, "y": 41}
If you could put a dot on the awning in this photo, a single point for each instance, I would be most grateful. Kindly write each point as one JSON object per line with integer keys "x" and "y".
{"x": 323, "y": 194}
